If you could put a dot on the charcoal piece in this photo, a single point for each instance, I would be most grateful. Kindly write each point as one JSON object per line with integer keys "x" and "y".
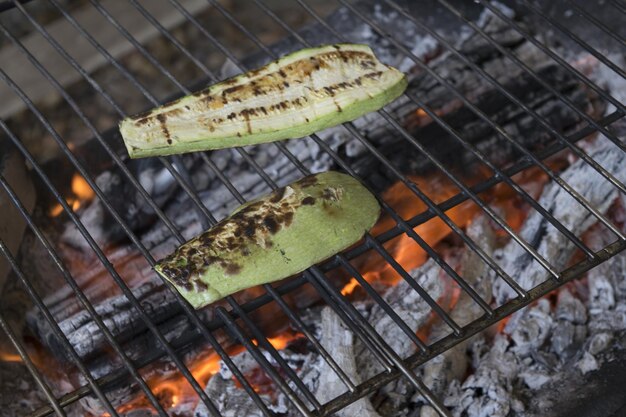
{"x": 19, "y": 393}
{"x": 554, "y": 246}
{"x": 337, "y": 338}
{"x": 410, "y": 306}
{"x": 230, "y": 400}
{"x": 128, "y": 202}
{"x": 488, "y": 391}
{"x": 452, "y": 365}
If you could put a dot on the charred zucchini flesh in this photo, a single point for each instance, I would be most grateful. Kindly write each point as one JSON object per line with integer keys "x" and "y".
{"x": 292, "y": 97}
{"x": 273, "y": 237}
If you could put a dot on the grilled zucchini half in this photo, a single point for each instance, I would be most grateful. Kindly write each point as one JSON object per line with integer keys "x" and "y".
{"x": 294, "y": 96}
{"x": 272, "y": 237}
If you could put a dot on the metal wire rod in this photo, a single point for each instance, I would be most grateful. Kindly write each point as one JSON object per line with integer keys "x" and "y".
{"x": 546, "y": 50}
{"x": 32, "y": 369}
{"x": 411, "y": 233}
{"x": 597, "y": 22}
{"x": 572, "y": 192}
{"x": 579, "y": 152}
{"x": 601, "y": 57}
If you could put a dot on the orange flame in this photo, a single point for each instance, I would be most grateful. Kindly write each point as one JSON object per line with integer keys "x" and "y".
{"x": 173, "y": 390}
{"x": 81, "y": 188}
{"x": 82, "y": 193}
{"x": 403, "y": 248}
{"x": 10, "y": 357}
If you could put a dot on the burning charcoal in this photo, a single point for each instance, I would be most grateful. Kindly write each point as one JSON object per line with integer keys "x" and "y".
{"x": 339, "y": 340}
{"x": 533, "y": 329}
{"x": 570, "y": 308}
{"x": 452, "y": 364}
{"x": 587, "y": 363}
{"x": 230, "y": 400}
{"x": 118, "y": 314}
{"x": 410, "y": 306}
{"x": 551, "y": 244}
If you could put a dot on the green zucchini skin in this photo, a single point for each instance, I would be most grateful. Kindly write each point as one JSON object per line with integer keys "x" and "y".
{"x": 273, "y": 237}
{"x": 299, "y": 94}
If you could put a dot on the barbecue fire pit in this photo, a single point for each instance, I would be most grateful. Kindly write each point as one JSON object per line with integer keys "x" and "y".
{"x": 493, "y": 284}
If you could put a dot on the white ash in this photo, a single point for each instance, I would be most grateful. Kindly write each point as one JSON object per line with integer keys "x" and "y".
{"x": 424, "y": 46}
{"x": 487, "y": 392}
{"x": 337, "y": 338}
{"x": 541, "y": 343}
{"x": 555, "y": 247}
{"x": 228, "y": 399}
{"x": 410, "y": 306}
{"x": 452, "y": 364}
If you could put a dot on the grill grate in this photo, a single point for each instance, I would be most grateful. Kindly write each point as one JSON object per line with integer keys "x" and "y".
{"x": 232, "y": 320}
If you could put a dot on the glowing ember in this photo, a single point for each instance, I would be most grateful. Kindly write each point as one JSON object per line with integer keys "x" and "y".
{"x": 403, "y": 248}
{"x": 81, "y": 189}
{"x": 9, "y": 357}
{"x": 173, "y": 391}
{"x": 82, "y": 193}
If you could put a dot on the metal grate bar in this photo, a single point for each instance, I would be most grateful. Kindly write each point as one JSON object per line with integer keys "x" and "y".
{"x": 197, "y": 200}
{"x": 118, "y": 280}
{"x": 546, "y": 50}
{"x": 577, "y": 150}
{"x": 12, "y": 337}
{"x": 602, "y": 58}
{"x": 32, "y": 293}
{"x": 414, "y": 236}
{"x": 572, "y": 192}
{"x": 315, "y": 276}
{"x": 600, "y": 25}
{"x": 618, "y": 5}
{"x": 73, "y": 104}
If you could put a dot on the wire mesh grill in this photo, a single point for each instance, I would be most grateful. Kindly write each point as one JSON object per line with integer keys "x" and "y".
{"x": 237, "y": 320}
